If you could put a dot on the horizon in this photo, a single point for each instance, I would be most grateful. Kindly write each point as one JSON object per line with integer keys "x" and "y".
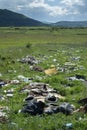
{"x": 49, "y": 22}
{"x": 48, "y": 10}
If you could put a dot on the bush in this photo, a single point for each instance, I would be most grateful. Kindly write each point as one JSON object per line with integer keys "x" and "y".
{"x": 28, "y": 45}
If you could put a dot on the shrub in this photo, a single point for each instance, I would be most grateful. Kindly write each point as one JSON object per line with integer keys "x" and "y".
{"x": 28, "y": 45}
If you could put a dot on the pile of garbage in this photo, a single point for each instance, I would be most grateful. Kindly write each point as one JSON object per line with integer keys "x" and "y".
{"x": 42, "y": 99}
{"x": 30, "y": 60}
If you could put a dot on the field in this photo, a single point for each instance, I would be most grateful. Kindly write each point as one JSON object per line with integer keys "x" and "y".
{"x": 62, "y": 48}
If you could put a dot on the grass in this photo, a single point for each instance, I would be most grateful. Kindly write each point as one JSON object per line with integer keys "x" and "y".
{"x": 14, "y": 37}
{"x": 45, "y": 44}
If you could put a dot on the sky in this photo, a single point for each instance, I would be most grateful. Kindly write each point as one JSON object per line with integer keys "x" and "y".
{"x": 49, "y": 10}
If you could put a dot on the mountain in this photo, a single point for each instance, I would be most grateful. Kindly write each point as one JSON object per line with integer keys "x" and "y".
{"x": 10, "y": 18}
{"x": 71, "y": 24}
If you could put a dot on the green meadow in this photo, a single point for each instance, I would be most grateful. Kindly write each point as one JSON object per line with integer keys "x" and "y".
{"x": 21, "y": 36}
{"x": 66, "y": 45}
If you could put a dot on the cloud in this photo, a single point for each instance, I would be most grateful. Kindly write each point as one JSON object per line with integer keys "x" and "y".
{"x": 51, "y": 10}
{"x": 73, "y": 2}
{"x": 51, "y": 0}
{"x": 48, "y": 9}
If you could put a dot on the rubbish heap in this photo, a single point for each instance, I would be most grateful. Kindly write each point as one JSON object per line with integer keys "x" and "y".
{"x": 30, "y": 60}
{"x": 42, "y": 99}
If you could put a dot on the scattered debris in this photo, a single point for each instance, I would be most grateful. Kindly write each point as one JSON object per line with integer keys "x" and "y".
{"x": 66, "y": 108}
{"x": 41, "y": 98}
{"x": 78, "y": 77}
{"x": 68, "y": 126}
{"x": 81, "y": 109}
{"x": 50, "y": 71}
{"x": 0, "y": 74}
{"x": 34, "y": 107}
{"x": 30, "y": 60}
{"x": 15, "y": 82}
{"x": 9, "y": 93}
{"x": 24, "y": 79}
{"x": 51, "y": 98}
{"x": 36, "y": 68}
{"x": 51, "y": 109}
{"x": 3, "y": 116}
{"x": 83, "y": 101}
{"x": 2, "y": 98}
{"x": 54, "y": 60}
{"x": 3, "y": 83}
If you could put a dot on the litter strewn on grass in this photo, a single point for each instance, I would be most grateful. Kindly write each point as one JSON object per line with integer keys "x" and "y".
{"x": 50, "y": 71}
{"x": 3, "y": 116}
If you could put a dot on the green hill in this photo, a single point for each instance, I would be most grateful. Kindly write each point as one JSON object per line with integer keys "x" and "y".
{"x": 71, "y": 24}
{"x": 10, "y": 18}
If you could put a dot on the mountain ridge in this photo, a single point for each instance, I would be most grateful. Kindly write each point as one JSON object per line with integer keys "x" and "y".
{"x": 71, "y": 24}
{"x": 10, "y": 18}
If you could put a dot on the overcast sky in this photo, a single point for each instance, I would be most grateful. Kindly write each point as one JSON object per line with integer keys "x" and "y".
{"x": 49, "y": 10}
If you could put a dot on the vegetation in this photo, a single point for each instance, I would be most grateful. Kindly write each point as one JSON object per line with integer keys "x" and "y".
{"x": 46, "y": 44}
